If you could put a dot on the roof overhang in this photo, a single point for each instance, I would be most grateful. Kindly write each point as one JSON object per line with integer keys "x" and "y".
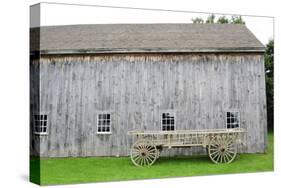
{"x": 149, "y": 50}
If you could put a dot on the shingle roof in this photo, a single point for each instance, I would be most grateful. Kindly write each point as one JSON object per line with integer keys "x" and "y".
{"x": 123, "y": 38}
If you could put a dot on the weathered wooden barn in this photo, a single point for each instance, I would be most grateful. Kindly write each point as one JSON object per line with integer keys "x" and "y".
{"x": 90, "y": 84}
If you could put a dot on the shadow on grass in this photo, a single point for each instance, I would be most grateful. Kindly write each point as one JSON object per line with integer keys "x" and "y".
{"x": 183, "y": 159}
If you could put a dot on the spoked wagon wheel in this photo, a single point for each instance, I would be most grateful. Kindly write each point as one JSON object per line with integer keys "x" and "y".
{"x": 144, "y": 153}
{"x": 222, "y": 149}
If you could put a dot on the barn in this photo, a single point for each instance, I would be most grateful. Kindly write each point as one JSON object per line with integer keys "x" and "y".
{"x": 91, "y": 84}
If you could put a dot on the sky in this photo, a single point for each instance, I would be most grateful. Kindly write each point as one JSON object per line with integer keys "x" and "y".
{"x": 59, "y": 14}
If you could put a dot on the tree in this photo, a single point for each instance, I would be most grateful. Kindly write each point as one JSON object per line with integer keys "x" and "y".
{"x": 197, "y": 20}
{"x": 211, "y": 19}
{"x": 237, "y": 20}
{"x": 269, "y": 80}
{"x": 221, "y": 20}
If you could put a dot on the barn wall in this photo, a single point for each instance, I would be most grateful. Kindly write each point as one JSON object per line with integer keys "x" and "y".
{"x": 136, "y": 88}
{"x": 34, "y": 98}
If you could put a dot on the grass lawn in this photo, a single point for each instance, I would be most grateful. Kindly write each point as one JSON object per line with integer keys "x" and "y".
{"x": 98, "y": 169}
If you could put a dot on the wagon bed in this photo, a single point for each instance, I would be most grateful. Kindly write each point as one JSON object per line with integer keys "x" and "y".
{"x": 221, "y": 144}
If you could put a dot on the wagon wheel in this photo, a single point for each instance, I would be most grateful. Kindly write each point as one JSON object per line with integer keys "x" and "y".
{"x": 222, "y": 149}
{"x": 144, "y": 153}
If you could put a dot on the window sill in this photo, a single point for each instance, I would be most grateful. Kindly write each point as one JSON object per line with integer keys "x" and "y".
{"x": 40, "y": 134}
{"x": 101, "y": 133}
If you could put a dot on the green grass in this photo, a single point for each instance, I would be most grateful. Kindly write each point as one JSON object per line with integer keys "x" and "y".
{"x": 98, "y": 169}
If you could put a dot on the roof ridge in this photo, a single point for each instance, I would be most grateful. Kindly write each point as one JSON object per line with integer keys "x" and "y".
{"x": 145, "y": 24}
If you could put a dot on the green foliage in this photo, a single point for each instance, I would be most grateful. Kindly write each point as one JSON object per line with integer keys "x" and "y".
{"x": 237, "y": 20}
{"x": 97, "y": 169}
{"x": 269, "y": 79}
{"x": 221, "y": 20}
{"x": 197, "y": 20}
{"x": 268, "y": 58}
{"x": 211, "y": 19}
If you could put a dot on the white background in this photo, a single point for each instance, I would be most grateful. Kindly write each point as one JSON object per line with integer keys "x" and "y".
{"x": 14, "y": 82}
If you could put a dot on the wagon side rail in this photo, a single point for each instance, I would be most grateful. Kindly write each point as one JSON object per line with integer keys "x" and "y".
{"x": 188, "y": 137}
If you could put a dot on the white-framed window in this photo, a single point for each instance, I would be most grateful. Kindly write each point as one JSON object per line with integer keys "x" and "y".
{"x": 40, "y": 124}
{"x": 104, "y": 123}
{"x": 168, "y": 121}
{"x": 232, "y": 119}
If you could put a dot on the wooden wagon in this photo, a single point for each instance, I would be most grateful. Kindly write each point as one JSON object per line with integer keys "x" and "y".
{"x": 221, "y": 144}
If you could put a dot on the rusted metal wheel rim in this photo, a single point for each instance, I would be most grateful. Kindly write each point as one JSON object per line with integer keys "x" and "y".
{"x": 222, "y": 149}
{"x": 143, "y": 153}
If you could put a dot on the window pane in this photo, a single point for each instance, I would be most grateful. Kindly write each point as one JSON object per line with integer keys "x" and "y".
{"x": 172, "y": 128}
{"x": 103, "y": 116}
{"x": 40, "y": 123}
{"x": 104, "y": 122}
{"x": 108, "y": 122}
{"x": 168, "y": 122}
{"x": 228, "y": 114}
{"x": 233, "y": 120}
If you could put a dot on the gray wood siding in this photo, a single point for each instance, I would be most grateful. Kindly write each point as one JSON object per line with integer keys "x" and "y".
{"x": 136, "y": 88}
